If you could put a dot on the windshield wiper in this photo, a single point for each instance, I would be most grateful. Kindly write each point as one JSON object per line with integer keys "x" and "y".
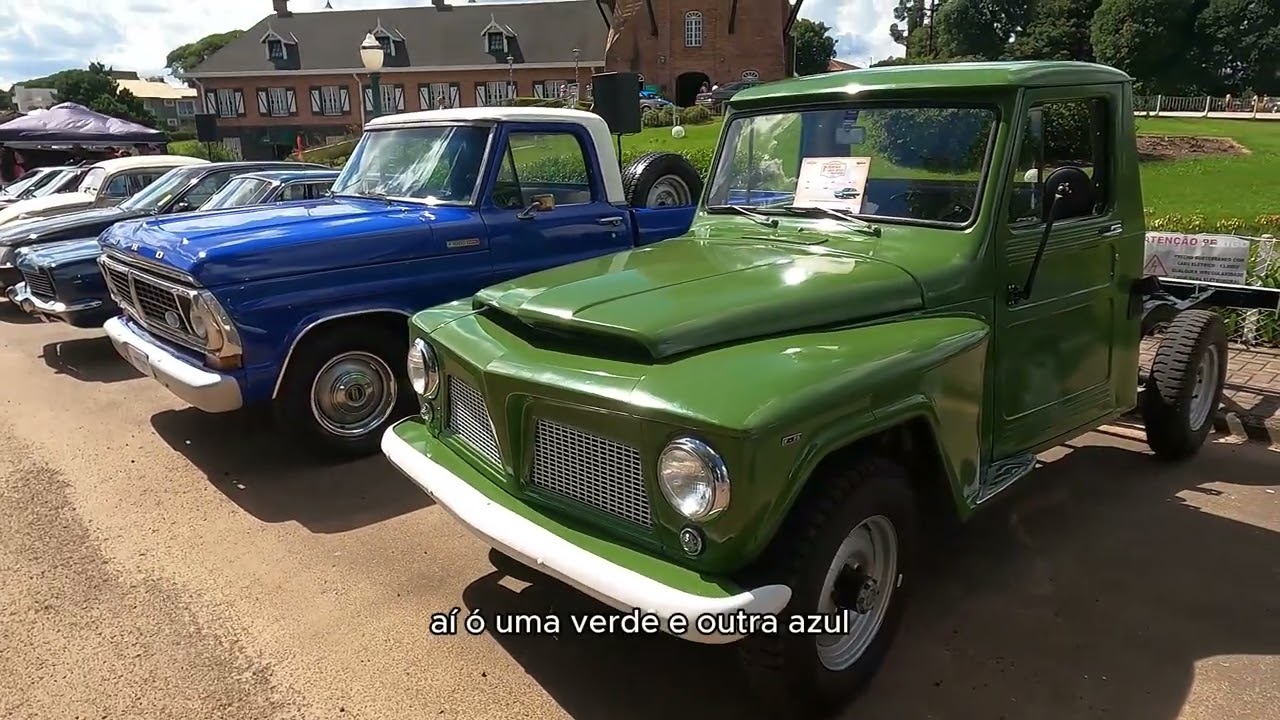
{"x": 757, "y": 217}
{"x": 848, "y": 217}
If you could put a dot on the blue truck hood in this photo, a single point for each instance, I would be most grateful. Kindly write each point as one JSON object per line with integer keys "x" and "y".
{"x": 269, "y": 241}
{"x": 57, "y": 254}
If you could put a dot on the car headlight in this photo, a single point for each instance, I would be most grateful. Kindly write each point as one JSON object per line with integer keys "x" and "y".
{"x": 693, "y": 478}
{"x": 210, "y": 323}
{"x": 424, "y": 370}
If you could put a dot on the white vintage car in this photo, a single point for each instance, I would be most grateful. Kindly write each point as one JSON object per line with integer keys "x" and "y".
{"x": 106, "y": 184}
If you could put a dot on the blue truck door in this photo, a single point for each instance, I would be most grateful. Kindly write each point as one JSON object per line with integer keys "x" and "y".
{"x": 555, "y": 160}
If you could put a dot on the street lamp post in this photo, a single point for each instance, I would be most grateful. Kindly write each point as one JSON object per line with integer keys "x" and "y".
{"x": 372, "y": 55}
{"x": 511, "y": 80}
{"x": 577, "y": 84}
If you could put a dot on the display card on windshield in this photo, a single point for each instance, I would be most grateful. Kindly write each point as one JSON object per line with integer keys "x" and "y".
{"x": 833, "y": 182}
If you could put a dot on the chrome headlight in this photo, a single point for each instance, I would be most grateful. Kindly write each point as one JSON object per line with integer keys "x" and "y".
{"x": 693, "y": 478}
{"x": 211, "y": 324}
{"x": 424, "y": 370}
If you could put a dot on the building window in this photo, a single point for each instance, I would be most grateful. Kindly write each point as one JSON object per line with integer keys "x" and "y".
{"x": 186, "y": 108}
{"x": 331, "y": 100}
{"x": 278, "y": 102}
{"x": 496, "y": 91}
{"x": 497, "y": 42}
{"x": 172, "y": 122}
{"x": 389, "y": 103}
{"x": 275, "y": 50}
{"x": 168, "y": 103}
{"x": 227, "y": 106}
{"x": 750, "y": 75}
{"x": 388, "y": 46}
{"x": 693, "y": 29}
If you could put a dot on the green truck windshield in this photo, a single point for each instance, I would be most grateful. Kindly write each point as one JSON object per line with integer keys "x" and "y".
{"x": 917, "y": 163}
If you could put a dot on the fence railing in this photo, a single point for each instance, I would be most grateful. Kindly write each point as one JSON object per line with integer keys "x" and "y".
{"x": 1257, "y": 107}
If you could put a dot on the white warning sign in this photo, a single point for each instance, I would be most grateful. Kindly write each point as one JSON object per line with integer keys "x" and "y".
{"x": 1212, "y": 258}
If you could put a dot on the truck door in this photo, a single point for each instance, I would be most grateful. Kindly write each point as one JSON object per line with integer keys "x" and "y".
{"x": 1063, "y": 356}
{"x": 557, "y": 163}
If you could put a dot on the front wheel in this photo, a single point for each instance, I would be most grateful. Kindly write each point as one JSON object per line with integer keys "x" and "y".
{"x": 847, "y": 549}
{"x": 342, "y": 390}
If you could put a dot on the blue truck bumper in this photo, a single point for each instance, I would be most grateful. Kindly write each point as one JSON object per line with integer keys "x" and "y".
{"x": 202, "y": 388}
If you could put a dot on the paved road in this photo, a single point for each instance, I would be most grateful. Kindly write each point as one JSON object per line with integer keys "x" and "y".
{"x": 158, "y": 563}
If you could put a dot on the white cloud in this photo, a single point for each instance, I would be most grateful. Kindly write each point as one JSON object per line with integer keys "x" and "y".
{"x": 45, "y": 36}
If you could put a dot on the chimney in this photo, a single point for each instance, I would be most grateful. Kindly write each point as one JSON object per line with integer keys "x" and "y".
{"x": 281, "y": 7}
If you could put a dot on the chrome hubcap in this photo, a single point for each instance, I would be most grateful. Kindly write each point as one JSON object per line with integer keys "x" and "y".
{"x": 1204, "y": 396}
{"x": 353, "y": 394}
{"x": 860, "y": 582}
{"x": 669, "y": 191}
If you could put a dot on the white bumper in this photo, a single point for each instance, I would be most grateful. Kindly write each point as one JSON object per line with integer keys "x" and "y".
{"x": 537, "y": 547}
{"x": 207, "y": 390}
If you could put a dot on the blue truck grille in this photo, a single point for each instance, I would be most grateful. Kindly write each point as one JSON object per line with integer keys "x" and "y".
{"x": 161, "y": 306}
{"x": 39, "y": 283}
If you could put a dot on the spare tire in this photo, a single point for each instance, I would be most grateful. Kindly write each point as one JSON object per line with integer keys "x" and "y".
{"x": 661, "y": 179}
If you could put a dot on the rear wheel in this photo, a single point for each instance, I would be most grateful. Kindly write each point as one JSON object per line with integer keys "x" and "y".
{"x": 342, "y": 390}
{"x": 1184, "y": 387}
{"x": 848, "y": 548}
{"x": 661, "y": 179}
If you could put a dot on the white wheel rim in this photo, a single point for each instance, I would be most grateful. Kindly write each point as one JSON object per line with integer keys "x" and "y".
{"x": 868, "y": 558}
{"x": 669, "y": 191}
{"x": 1204, "y": 396}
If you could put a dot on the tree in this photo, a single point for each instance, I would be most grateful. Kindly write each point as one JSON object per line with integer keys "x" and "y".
{"x": 6, "y": 99}
{"x": 979, "y": 28}
{"x": 1240, "y": 40}
{"x": 1151, "y": 40}
{"x": 185, "y": 58}
{"x": 95, "y": 89}
{"x": 814, "y": 46}
{"x": 1057, "y": 30}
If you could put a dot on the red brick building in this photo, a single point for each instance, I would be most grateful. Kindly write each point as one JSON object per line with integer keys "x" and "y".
{"x": 677, "y": 45}
{"x": 299, "y": 74}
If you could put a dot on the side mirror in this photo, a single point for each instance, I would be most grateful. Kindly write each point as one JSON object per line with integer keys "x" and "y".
{"x": 1067, "y": 192}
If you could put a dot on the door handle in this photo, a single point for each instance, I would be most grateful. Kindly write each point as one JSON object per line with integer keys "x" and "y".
{"x": 1112, "y": 231}
{"x": 615, "y": 221}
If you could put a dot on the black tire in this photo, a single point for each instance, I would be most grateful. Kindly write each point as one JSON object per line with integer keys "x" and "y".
{"x": 1167, "y": 398}
{"x": 784, "y": 669}
{"x": 293, "y": 406}
{"x": 642, "y": 174}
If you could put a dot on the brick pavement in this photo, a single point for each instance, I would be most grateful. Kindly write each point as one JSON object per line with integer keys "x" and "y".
{"x": 1251, "y": 405}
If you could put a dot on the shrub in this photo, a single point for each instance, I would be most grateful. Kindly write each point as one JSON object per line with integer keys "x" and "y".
{"x": 696, "y": 115}
{"x": 657, "y": 118}
{"x": 181, "y": 135}
{"x": 941, "y": 140}
{"x": 192, "y": 148}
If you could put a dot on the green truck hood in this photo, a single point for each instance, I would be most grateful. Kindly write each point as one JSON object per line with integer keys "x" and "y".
{"x": 692, "y": 293}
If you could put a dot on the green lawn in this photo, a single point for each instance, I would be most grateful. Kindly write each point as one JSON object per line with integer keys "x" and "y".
{"x": 1219, "y": 188}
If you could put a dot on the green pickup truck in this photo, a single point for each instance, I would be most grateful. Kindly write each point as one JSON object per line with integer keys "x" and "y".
{"x": 900, "y": 286}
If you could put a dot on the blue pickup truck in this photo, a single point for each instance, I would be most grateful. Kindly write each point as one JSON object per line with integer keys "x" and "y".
{"x": 304, "y": 307}
{"x": 61, "y": 280}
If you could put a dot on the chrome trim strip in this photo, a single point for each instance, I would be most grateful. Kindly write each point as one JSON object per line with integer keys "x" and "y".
{"x": 145, "y": 265}
{"x": 284, "y": 366}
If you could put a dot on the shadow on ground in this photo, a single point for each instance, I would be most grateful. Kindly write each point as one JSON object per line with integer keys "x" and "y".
{"x": 1090, "y": 591}
{"x": 13, "y": 314}
{"x": 92, "y": 359}
{"x": 247, "y": 458}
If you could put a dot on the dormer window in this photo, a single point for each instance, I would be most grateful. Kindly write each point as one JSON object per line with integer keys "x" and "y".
{"x": 497, "y": 37}
{"x": 277, "y": 44}
{"x": 387, "y": 39}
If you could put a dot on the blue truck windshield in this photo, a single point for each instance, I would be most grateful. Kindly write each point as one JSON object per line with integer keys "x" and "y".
{"x": 434, "y": 164}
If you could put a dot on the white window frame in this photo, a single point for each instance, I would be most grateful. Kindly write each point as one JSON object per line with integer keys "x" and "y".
{"x": 693, "y": 29}
{"x": 272, "y": 45}
{"x": 389, "y": 104}
{"x": 227, "y": 103}
{"x": 496, "y": 92}
{"x": 331, "y": 100}
{"x": 186, "y": 108}
{"x": 278, "y": 101}
{"x": 172, "y": 122}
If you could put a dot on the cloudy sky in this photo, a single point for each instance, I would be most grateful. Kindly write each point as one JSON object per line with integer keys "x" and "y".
{"x": 39, "y": 37}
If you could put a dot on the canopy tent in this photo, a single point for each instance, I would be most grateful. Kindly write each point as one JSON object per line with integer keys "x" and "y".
{"x": 72, "y": 123}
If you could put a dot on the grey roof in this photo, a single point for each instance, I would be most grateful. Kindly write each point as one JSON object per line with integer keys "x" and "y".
{"x": 544, "y": 31}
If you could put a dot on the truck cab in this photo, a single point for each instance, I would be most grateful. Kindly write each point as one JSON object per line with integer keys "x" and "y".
{"x": 901, "y": 285}
{"x": 303, "y": 306}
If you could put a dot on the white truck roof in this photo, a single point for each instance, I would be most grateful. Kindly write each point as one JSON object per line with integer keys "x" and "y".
{"x": 594, "y": 124}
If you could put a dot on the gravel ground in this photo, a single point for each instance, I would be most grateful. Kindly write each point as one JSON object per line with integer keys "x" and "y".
{"x": 156, "y": 562}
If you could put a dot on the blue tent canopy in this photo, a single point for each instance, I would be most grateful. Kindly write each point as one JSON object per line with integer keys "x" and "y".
{"x": 71, "y": 123}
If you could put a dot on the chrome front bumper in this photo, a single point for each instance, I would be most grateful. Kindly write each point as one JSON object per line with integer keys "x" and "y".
{"x": 19, "y": 295}
{"x": 207, "y": 390}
